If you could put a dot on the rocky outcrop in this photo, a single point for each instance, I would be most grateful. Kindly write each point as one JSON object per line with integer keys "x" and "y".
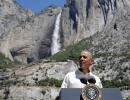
{"x": 22, "y": 83}
{"x": 86, "y": 17}
{"x": 10, "y": 17}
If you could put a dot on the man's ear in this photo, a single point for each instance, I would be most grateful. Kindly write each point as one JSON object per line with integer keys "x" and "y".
{"x": 92, "y": 61}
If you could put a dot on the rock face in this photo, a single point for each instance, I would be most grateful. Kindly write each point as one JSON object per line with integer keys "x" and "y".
{"x": 86, "y": 17}
{"x": 22, "y": 83}
{"x": 25, "y": 36}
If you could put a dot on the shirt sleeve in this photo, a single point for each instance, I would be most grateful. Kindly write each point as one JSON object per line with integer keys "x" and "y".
{"x": 100, "y": 83}
{"x": 65, "y": 82}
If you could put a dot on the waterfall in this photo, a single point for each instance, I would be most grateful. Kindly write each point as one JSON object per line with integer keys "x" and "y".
{"x": 55, "y": 47}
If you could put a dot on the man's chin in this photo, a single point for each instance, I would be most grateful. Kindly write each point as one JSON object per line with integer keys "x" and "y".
{"x": 82, "y": 67}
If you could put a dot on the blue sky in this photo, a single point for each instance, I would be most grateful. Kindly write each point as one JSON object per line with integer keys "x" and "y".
{"x": 38, "y": 5}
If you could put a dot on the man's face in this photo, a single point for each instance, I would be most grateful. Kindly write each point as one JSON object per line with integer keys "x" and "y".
{"x": 85, "y": 60}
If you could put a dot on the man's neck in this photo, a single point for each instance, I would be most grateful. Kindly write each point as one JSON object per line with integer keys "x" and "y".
{"x": 84, "y": 71}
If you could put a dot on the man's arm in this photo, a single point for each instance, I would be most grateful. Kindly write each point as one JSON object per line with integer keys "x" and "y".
{"x": 65, "y": 82}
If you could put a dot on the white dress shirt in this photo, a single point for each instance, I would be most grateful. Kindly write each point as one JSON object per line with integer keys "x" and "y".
{"x": 72, "y": 79}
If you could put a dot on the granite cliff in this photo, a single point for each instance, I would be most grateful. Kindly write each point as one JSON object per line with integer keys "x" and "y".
{"x": 101, "y": 26}
{"x": 24, "y": 36}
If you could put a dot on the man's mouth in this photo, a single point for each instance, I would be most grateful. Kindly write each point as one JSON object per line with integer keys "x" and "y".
{"x": 81, "y": 62}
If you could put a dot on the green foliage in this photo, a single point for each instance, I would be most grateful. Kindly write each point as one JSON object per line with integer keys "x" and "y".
{"x": 6, "y": 82}
{"x": 115, "y": 83}
{"x": 50, "y": 82}
{"x": 72, "y": 52}
{"x": 61, "y": 56}
{"x": 127, "y": 98}
{"x": 102, "y": 55}
{"x": 1, "y": 98}
{"x": 6, "y": 62}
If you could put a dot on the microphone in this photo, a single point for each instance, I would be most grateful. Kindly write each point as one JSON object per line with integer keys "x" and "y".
{"x": 83, "y": 80}
{"x": 91, "y": 79}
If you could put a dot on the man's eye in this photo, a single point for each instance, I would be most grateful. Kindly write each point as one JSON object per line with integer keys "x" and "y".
{"x": 83, "y": 57}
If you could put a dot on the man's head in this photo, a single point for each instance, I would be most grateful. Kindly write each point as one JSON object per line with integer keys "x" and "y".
{"x": 85, "y": 60}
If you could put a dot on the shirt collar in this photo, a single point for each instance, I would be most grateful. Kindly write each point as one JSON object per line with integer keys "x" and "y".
{"x": 80, "y": 74}
{"x": 83, "y": 73}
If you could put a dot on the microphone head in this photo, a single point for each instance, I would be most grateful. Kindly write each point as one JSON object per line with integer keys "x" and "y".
{"x": 91, "y": 79}
{"x": 83, "y": 80}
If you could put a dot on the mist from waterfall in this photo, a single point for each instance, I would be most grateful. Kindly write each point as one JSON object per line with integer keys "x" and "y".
{"x": 55, "y": 47}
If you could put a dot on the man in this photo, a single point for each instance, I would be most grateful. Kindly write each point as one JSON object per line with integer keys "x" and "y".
{"x": 74, "y": 79}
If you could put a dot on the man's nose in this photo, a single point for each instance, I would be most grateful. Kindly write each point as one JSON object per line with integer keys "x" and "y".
{"x": 82, "y": 58}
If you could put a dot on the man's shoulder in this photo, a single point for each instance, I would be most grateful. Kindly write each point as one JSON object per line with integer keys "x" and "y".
{"x": 94, "y": 76}
{"x": 70, "y": 73}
